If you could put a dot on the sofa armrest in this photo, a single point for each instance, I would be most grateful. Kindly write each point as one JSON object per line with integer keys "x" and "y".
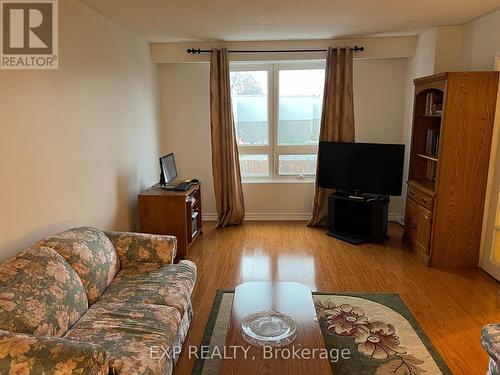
{"x": 140, "y": 247}
{"x": 27, "y": 354}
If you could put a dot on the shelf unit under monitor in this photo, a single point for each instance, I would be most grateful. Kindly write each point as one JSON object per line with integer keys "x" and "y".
{"x": 454, "y": 115}
{"x": 176, "y": 213}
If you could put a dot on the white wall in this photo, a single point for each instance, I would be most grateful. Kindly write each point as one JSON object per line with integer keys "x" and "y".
{"x": 482, "y": 42}
{"x": 375, "y": 48}
{"x": 437, "y": 50}
{"x": 421, "y": 64}
{"x": 383, "y": 103}
{"x": 481, "y": 46}
{"x": 77, "y": 144}
{"x": 379, "y": 86}
{"x": 449, "y": 49}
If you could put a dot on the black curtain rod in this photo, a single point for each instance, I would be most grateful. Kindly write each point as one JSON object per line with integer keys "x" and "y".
{"x": 197, "y": 51}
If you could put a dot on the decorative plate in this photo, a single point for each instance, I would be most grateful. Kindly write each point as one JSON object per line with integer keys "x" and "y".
{"x": 269, "y": 328}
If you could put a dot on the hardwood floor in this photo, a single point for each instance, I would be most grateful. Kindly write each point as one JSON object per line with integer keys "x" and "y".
{"x": 450, "y": 305}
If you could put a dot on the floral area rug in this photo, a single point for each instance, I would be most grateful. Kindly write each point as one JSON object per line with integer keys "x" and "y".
{"x": 365, "y": 334}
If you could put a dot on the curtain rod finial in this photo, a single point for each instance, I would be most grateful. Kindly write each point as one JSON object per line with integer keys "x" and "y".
{"x": 358, "y": 49}
{"x": 194, "y": 51}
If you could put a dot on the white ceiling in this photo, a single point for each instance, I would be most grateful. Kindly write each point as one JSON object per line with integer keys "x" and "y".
{"x": 241, "y": 20}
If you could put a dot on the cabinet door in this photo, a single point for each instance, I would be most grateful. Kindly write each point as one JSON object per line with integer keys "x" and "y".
{"x": 424, "y": 226}
{"x": 411, "y": 220}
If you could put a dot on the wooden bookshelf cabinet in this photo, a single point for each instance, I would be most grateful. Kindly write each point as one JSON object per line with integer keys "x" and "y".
{"x": 176, "y": 213}
{"x": 453, "y": 120}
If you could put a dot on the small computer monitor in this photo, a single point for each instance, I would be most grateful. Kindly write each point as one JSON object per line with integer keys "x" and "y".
{"x": 168, "y": 169}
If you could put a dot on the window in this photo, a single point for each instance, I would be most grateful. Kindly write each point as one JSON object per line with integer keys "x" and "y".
{"x": 277, "y": 112}
{"x": 250, "y": 107}
{"x": 254, "y": 165}
{"x": 300, "y": 103}
{"x": 292, "y": 165}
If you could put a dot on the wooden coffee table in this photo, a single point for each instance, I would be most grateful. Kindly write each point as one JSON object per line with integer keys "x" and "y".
{"x": 293, "y": 299}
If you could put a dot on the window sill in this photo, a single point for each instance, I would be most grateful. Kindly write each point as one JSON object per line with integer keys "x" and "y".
{"x": 272, "y": 182}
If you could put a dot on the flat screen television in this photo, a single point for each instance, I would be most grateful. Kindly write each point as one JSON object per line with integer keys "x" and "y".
{"x": 369, "y": 168}
{"x": 168, "y": 169}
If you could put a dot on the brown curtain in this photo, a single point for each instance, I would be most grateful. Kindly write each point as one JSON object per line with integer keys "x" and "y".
{"x": 337, "y": 119}
{"x": 225, "y": 161}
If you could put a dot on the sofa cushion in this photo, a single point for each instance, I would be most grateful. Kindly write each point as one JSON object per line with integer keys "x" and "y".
{"x": 135, "y": 336}
{"x": 490, "y": 339}
{"x": 91, "y": 254}
{"x": 22, "y": 354}
{"x": 151, "y": 283}
{"x": 40, "y": 293}
{"x": 143, "y": 248}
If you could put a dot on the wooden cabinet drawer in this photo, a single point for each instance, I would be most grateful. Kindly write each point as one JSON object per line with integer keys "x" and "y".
{"x": 421, "y": 198}
{"x": 411, "y": 220}
{"x": 424, "y": 229}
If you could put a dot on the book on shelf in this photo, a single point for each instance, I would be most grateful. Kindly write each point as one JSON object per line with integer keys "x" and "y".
{"x": 434, "y": 104}
{"x": 432, "y": 142}
{"x": 431, "y": 171}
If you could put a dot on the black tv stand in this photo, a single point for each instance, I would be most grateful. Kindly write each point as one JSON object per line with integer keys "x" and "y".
{"x": 358, "y": 218}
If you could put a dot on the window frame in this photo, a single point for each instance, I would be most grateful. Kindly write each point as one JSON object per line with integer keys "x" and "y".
{"x": 273, "y": 149}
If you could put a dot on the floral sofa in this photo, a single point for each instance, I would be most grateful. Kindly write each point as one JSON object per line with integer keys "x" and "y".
{"x": 91, "y": 302}
{"x": 490, "y": 339}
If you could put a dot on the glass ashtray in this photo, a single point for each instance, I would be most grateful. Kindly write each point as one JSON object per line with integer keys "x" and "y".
{"x": 269, "y": 328}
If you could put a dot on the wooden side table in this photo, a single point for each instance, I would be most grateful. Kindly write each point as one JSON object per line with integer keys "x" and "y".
{"x": 176, "y": 213}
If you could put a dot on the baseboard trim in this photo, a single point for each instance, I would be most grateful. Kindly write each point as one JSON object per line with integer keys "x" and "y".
{"x": 277, "y": 216}
{"x": 396, "y": 218}
{"x": 209, "y": 217}
{"x": 265, "y": 216}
